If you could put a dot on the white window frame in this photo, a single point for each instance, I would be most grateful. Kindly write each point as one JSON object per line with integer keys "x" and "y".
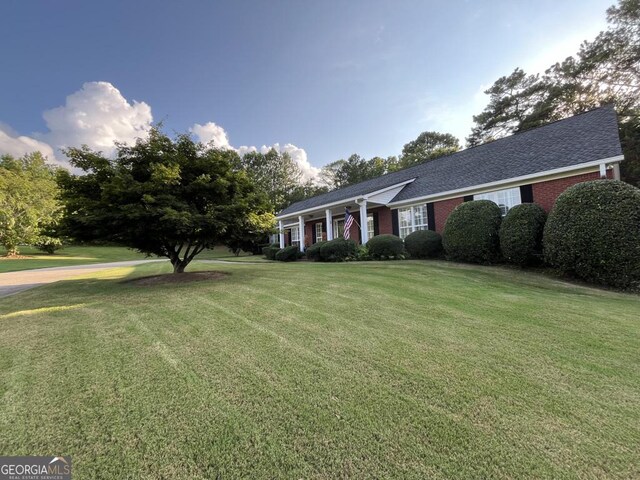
{"x": 371, "y": 228}
{"x": 318, "y": 234}
{"x": 338, "y": 224}
{"x": 412, "y": 223}
{"x": 295, "y": 231}
{"x": 505, "y": 199}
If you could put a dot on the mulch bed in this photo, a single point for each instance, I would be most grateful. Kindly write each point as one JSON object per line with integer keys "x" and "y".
{"x": 173, "y": 278}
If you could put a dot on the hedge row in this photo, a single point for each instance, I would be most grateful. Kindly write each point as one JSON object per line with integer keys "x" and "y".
{"x": 592, "y": 233}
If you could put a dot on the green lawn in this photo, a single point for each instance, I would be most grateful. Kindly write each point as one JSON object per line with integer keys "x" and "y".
{"x": 306, "y": 370}
{"x": 82, "y": 255}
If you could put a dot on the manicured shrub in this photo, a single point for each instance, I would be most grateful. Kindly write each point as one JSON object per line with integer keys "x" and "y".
{"x": 423, "y": 244}
{"x": 338, "y": 250}
{"x": 363, "y": 253}
{"x": 471, "y": 232}
{"x": 383, "y": 247}
{"x": 270, "y": 251}
{"x": 521, "y": 234}
{"x": 48, "y": 244}
{"x": 287, "y": 254}
{"x": 313, "y": 251}
{"x": 593, "y": 233}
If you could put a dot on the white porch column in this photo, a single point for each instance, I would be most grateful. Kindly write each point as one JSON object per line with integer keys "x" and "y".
{"x": 281, "y": 234}
{"x": 364, "y": 232}
{"x": 301, "y": 232}
{"x": 329, "y": 217}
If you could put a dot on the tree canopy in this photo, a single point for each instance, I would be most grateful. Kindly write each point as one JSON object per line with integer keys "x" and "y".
{"x": 355, "y": 169}
{"x": 161, "y": 196}
{"x": 28, "y": 203}
{"x": 428, "y": 146}
{"x": 605, "y": 70}
{"x": 274, "y": 173}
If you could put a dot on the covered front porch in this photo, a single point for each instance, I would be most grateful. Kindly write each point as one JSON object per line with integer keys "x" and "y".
{"x": 370, "y": 212}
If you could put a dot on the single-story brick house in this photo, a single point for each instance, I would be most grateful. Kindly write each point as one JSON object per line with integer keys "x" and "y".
{"x": 533, "y": 166}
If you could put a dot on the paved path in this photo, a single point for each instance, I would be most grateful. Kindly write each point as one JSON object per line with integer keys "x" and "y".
{"x": 14, "y": 282}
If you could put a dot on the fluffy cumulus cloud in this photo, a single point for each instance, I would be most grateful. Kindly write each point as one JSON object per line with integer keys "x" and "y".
{"x": 211, "y": 134}
{"x": 98, "y": 115}
{"x": 17, "y": 145}
{"x": 297, "y": 154}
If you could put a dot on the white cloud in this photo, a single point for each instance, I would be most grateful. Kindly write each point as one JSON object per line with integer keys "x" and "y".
{"x": 96, "y": 115}
{"x": 18, "y": 145}
{"x": 210, "y": 133}
{"x": 297, "y": 154}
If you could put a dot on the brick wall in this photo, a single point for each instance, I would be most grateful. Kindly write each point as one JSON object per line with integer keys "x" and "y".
{"x": 309, "y": 232}
{"x": 546, "y": 193}
{"x": 384, "y": 220}
{"x": 442, "y": 210}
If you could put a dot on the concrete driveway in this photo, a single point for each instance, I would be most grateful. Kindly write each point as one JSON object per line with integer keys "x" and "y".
{"x": 14, "y": 282}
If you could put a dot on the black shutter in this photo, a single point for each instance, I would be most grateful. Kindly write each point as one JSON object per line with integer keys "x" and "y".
{"x": 394, "y": 223}
{"x": 376, "y": 226}
{"x": 313, "y": 233}
{"x": 431, "y": 216}
{"x": 288, "y": 243}
{"x": 468, "y": 198}
{"x": 526, "y": 193}
{"x": 324, "y": 227}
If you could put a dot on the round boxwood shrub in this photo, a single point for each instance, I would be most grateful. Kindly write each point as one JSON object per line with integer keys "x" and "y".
{"x": 385, "y": 247}
{"x": 521, "y": 234}
{"x": 313, "y": 251}
{"x": 270, "y": 251}
{"x": 423, "y": 244}
{"x": 338, "y": 250}
{"x": 593, "y": 233}
{"x": 471, "y": 232}
{"x": 287, "y": 254}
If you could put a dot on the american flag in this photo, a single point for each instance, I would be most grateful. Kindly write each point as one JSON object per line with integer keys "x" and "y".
{"x": 348, "y": 221}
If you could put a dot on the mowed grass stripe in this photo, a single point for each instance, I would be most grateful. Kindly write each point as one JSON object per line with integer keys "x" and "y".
{"x": 260, "y": 375}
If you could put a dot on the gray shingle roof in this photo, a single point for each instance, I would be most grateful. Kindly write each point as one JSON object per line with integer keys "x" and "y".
{"x": 583, "y": 138}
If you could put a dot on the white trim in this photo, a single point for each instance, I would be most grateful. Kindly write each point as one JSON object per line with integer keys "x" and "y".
{"x": 329, "y": 220}
{"x": 364, "y": 232}
{"x": 302, "y": 232}
{"x": 603, "y": 170}
{"x": 343, "y": 201}
{"x": 506, "y": 181}
{"x": 385, "y": 189}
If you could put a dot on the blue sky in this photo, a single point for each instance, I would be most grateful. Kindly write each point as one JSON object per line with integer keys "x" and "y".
{"x": 330, "y": 77}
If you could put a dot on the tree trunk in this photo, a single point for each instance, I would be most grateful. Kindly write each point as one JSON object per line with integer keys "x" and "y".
{"x": 12, "y": 251}
{"x": 179, "y": 267}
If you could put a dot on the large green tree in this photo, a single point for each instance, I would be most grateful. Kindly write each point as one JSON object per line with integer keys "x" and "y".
{"x": 355, "y": 169}
{"x": 161, "y": 196}
{"x": 605, "y": 70}
{"x": 28, "y": 203}
{"x": 428, "y": 146}
{"x": 274, "y": 173}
